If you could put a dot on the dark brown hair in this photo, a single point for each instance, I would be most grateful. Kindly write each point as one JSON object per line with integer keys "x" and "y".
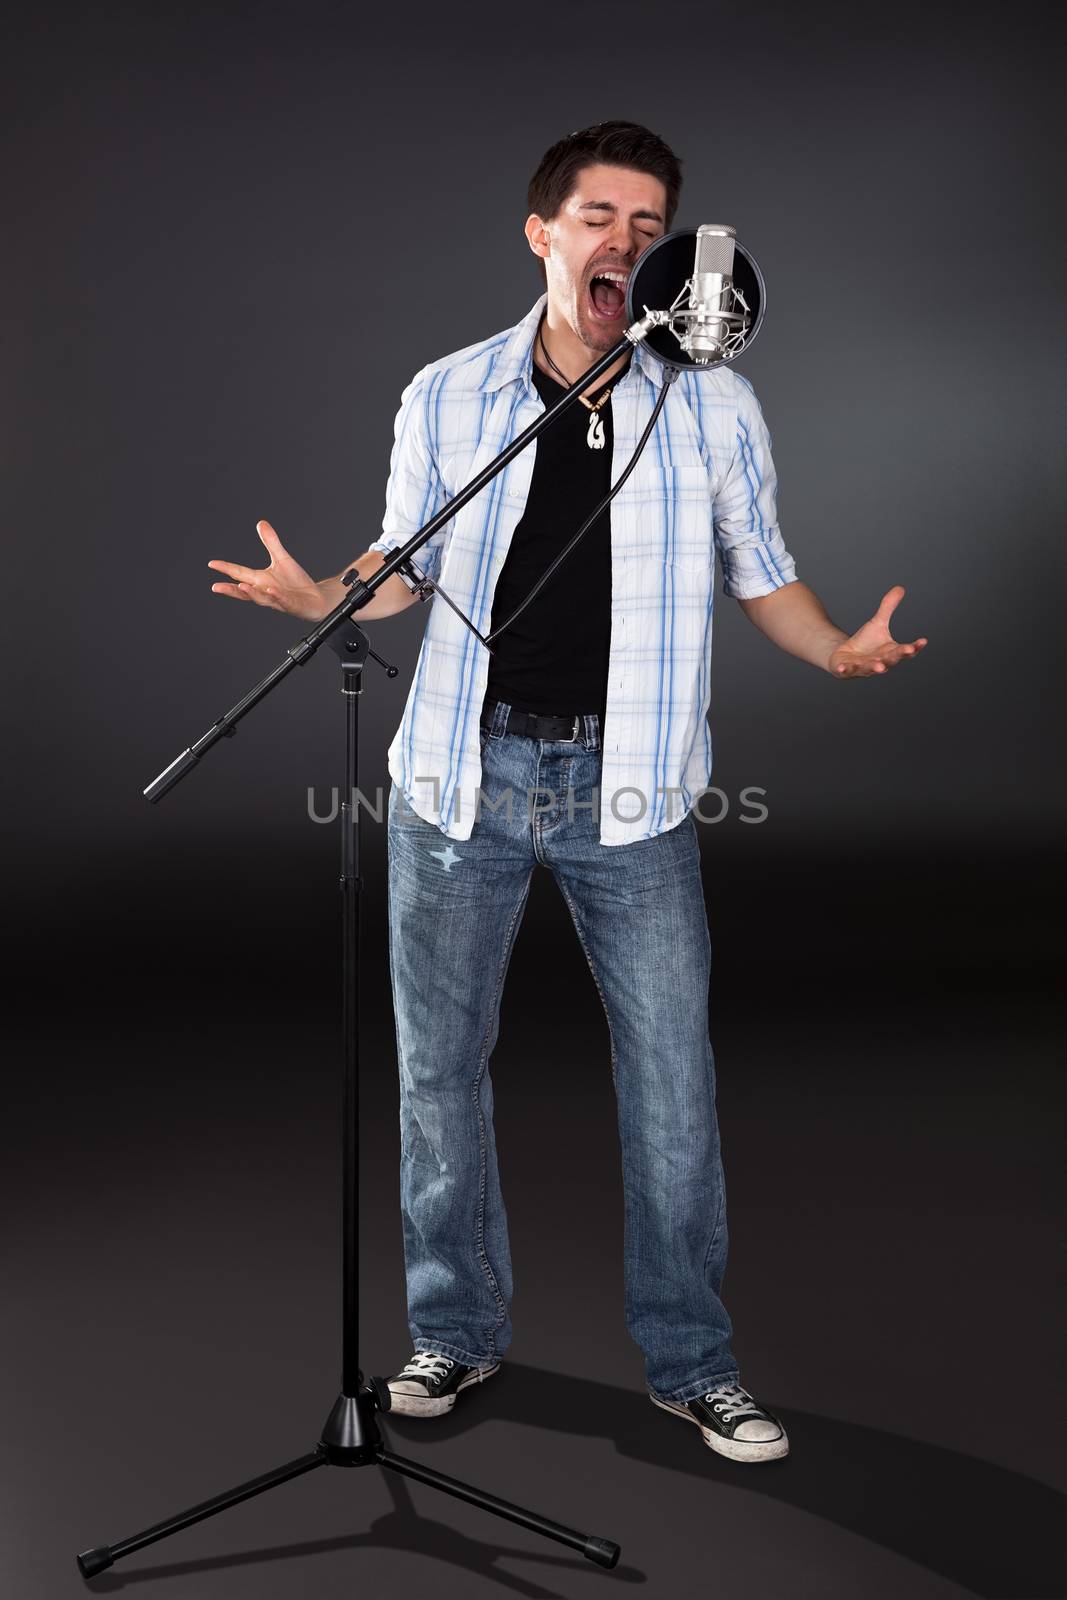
{"x": 613, "y": 144}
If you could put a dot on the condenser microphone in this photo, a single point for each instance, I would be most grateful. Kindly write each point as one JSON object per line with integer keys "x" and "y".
{"x": 711, "y": 291}
{"x": 695, "y": 298}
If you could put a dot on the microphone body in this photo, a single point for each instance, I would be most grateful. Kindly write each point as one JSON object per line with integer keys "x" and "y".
{"x": 711, "y": 292}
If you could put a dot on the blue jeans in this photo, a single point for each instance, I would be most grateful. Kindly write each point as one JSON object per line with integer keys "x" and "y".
{"x": 454, "y": 910}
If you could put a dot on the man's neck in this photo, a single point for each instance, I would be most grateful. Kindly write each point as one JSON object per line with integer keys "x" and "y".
{"x": 570, "y": 355}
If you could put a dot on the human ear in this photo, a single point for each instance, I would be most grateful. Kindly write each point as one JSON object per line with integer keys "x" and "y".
{"x": 537, "y": 236}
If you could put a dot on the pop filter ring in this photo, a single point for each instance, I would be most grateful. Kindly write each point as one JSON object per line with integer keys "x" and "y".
{"x": 658, "y": 277}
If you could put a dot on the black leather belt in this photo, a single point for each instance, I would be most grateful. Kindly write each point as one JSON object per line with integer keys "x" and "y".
{"x": 563, "y": 730}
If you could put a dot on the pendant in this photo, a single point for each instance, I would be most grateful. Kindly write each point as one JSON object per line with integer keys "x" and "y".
{"x": 595, "y": 437}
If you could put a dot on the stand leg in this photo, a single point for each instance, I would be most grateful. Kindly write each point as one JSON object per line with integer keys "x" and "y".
{"x": 90, "y": 1562}
{"x": 602, "y": 1551}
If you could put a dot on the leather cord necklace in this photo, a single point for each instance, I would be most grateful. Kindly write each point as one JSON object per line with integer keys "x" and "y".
{"x": 595, "y": 436}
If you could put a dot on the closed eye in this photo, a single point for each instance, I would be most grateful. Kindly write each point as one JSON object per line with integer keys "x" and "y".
{"x": 641, "y": 231}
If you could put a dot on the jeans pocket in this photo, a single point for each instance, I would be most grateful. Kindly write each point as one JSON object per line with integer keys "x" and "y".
{"x": 401, "y": 814}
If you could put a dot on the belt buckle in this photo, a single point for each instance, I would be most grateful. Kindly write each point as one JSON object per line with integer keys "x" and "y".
{"x": 574, "y": 732}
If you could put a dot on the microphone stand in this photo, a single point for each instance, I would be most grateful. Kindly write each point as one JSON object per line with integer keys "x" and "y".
{"x": 351, "y": 1436}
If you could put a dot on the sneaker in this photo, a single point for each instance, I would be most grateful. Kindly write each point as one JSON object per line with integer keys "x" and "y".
{"x": 429, "y": 1384}
{"x": 732, "y": 1423}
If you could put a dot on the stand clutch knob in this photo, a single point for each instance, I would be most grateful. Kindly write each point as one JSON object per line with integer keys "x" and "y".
{"x": 383, "y": 1393}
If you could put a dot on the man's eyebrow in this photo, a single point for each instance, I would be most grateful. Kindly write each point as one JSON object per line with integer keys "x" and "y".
{"x": 606, "y": 205}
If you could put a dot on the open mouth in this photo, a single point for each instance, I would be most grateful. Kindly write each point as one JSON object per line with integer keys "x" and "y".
{"x": 607, "y": 294}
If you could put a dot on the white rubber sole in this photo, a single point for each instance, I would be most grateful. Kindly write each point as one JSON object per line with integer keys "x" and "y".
{"x": 414, "y": 1405}
{"x": 735, "y": 1449}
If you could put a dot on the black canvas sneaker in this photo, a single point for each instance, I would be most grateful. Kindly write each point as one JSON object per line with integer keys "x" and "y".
{"x": 732, "y": 1423}
{"x": 429, "y": 1384}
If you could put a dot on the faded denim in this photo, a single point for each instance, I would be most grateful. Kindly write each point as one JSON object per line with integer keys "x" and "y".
{"x": 454, "y": 911}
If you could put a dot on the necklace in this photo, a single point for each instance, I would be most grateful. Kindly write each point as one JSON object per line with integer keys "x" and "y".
{"x": 595, "y": 436}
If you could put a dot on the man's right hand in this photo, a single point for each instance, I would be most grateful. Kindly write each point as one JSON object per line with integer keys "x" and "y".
{"x": 283, "y": 585}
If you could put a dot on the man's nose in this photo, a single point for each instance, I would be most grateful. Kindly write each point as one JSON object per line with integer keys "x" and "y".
{"x": 622, "y": 239}
{"x": 628, "y": 241}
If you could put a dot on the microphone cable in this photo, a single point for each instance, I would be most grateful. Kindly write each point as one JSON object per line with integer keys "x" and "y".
{"x": 672, "y": 374}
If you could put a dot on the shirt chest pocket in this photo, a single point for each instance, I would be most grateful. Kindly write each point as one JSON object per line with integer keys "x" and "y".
{"x": 685, "y": 516}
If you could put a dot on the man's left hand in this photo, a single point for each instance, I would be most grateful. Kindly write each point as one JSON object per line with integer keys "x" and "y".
{"x": 872, "y": 649}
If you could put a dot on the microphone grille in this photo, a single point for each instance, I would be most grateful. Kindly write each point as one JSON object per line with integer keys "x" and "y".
{"x": 715, "y": 248}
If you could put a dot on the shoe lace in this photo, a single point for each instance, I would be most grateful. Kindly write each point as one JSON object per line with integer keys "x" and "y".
{"x": 428, "y": 1362}
{"x": 732, "y": 1401}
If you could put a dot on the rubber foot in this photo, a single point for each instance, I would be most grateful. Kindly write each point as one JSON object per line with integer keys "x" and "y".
{"x": 90, "y": 1562}
{"x": 602, "y": 1551}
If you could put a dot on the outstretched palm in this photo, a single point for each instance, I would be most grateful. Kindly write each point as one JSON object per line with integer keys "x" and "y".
{"x": 872, "y": 648}
{"x": 283, "y": 585}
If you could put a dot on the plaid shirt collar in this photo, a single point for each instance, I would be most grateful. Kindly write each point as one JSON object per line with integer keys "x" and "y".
{"x": 514, "y": 359}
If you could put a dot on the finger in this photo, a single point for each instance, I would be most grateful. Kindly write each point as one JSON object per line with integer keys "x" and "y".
{"x": 233, "y": 570}
{"x": 269, "y": 538}
{"x": 904, "y": 652}
{"x": 232, "y": 589}
{"x": 261, "y": 595}
{"x": 890, "y": 600}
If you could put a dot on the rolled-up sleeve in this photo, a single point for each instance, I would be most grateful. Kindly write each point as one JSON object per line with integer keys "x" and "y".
{"x": 751, "y": 549}
{"x": 415, "y": 491}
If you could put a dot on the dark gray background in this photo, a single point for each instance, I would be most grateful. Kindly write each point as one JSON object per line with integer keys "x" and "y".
{"x": 233, "y": 235}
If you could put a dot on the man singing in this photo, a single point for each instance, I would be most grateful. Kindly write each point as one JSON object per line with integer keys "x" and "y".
{"x": 579, "y": 744}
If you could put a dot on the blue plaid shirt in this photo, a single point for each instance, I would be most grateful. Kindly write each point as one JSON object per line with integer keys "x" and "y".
{"x": 705, "y": 483}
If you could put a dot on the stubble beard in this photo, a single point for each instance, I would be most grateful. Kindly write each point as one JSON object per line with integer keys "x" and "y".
{"x": 597, "y": 341}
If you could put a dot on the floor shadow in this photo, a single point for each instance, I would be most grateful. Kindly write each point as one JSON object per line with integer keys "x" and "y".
{"x": 991, "y": 1530}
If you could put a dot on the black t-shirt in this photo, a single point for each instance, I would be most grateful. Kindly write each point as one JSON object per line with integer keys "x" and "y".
{"x": 554, "y": 657}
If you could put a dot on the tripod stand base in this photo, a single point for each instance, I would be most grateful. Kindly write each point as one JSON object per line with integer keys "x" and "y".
{"x": 352, "y": 1438}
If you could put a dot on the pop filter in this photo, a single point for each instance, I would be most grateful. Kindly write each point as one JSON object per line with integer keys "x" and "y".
{"x": 662, "y": 279}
